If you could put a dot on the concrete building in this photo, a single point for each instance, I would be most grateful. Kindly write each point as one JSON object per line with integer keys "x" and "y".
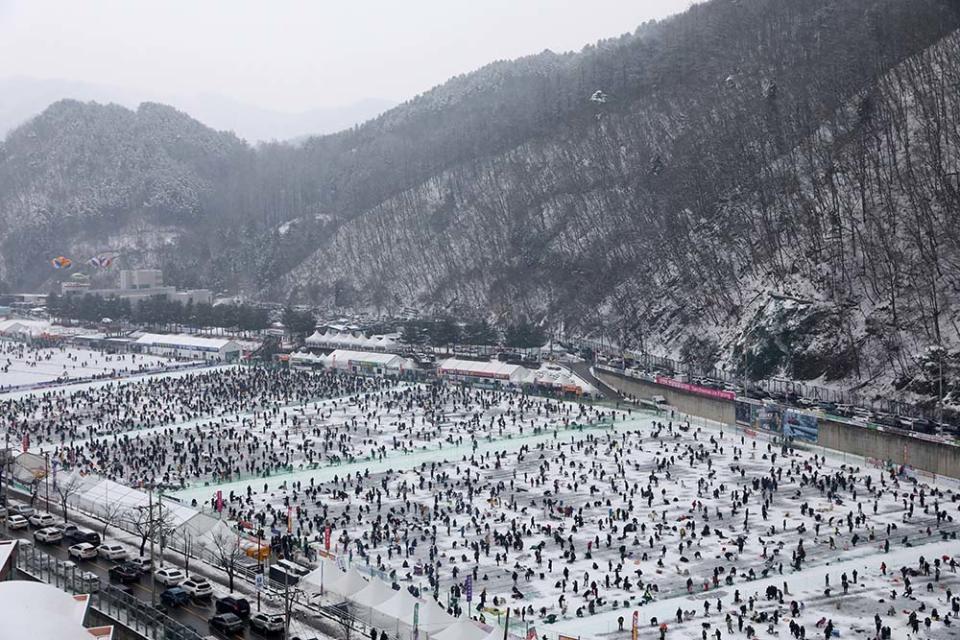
{"x": 140, "y": 284}
{"x": 141, "y": 279}
{"x": 186, "y": 346}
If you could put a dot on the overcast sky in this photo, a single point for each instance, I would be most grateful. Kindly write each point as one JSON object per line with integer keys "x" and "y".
{"x": 292, "y": 56}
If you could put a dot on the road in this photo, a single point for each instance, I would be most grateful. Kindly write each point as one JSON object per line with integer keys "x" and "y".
{"x": 194, "y": 615}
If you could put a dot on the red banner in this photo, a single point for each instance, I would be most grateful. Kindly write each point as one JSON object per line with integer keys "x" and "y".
{"x": 719, "y": 394}
{"x": 326, "y": 539}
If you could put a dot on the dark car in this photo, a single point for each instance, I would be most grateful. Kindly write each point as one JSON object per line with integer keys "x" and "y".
{"x": 227, "y": 623}
{"x": 83, "y": 535}
{"x": 124, "y": 572}
{"x": 174, "y": 597}
{"x": 237, "y": 606}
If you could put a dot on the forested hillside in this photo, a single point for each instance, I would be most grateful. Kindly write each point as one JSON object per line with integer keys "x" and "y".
{"x": 662, "y": 184}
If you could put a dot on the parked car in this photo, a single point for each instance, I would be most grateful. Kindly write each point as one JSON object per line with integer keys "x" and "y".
{"x": 169, "y": 576}
{"x": 65, "y": 567}
{"x": 198, "y": 588}
{"x": 174, "y": 597}
{"x": 22, "y": 510}
{"x": 85, "y": 535}
{"x": 41, "y": 520}
{"x": 67, "y": 529}
{"x": 50, "y": 535}
{"x": 82, "y": 551}
{"x": 143, "y": 564}
{"x": 3, "y": 514}
{"x": 84, "y": 581}
{"x": 112, "y": 551}
{"x": 16, "y": 521}
{"x": 124, "y": 572}
{"x": 267, "y": 622}
{"x": 236, "y": 606}
{"x": 226, "y": 623}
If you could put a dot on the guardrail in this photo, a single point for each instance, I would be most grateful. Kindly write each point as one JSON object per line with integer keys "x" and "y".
{"x": 114, "y": 603}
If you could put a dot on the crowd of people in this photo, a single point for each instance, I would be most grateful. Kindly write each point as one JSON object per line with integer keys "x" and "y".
{"x": 43, "y": 362}
{"x": 574, "y": 526}
{"x": 541, "y": 515}
{"x": 225, "y": 424}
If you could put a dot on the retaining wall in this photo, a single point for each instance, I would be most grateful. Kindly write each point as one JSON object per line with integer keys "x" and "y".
{"x": 934, "y": 457}
{"x": 937, "y": 458}
{"x": 709, "y": 408}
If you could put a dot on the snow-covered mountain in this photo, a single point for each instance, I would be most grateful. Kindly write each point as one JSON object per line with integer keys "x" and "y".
{"x": 22, "y": 98}
{"x": 773, "y": 174}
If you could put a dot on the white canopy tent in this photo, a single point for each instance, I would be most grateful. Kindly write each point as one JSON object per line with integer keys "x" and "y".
{"x": 398, "y": 606}
{"x": 462, "y": 629}
{"x": 375, "y": 593}
{"x": 324, "y": 575}
{"x": 345, "y": 586}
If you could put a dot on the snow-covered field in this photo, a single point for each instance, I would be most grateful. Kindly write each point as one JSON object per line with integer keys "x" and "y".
{"x": 23, "y": 365}
{"x": 557, "y": 509}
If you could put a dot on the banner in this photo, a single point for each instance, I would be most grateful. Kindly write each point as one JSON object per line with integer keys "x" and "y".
{"x": 635, "y": 633}
{"x": 468, "y": 588}
{"x": 803, "y": 426}
{"x": 718, "y": 394}
{"x": 768, "y": 417}
{"x": 326, "y": 539}
{"x": 219, "y": 501}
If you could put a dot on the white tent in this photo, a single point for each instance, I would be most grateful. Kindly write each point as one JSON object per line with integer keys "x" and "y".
{"x": 462, "y": 629}
{"x": 347, "y": 585}
{"x": 400, "y": 606}
{"x": 432, "y": 617}
{"x": 376, "y": 592}
{"x": 323, "y": 576}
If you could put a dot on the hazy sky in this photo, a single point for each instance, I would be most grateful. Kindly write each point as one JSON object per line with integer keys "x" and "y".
{"x": 290, "y": 55}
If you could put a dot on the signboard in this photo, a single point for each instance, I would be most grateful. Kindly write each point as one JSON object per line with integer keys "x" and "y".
{"x": 468, "y": 588}
{"x": 768, "y": 417}
{"x": 635, "y": 633}
{"x": 718, "y": 394}
{"x": 258, "y": 580}
{"x": 803, "y": 426}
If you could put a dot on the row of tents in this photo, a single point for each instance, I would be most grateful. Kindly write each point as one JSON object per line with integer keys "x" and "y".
{"x": 380, "y": 606}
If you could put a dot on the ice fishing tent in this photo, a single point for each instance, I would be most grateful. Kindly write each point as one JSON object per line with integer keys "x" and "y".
{"x": 462, "y": 629}
{"x": 348, "y": 584}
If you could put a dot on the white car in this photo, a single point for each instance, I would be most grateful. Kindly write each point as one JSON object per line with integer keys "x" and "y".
{"x": 82, "y": 551}
{"x": 197, "y": 587}
{"x": 112, "y": 551}
{"x": 41, "y": 520}
{"x": 267, "y": 622}
{"x": 144, "y": 564}
{"x": 16, "y": 521}
{"x": 170, "y": 576}
{"x": 50, "y": 535}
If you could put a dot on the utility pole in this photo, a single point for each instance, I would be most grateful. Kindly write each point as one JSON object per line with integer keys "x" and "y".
{"x": 150, "y": 530}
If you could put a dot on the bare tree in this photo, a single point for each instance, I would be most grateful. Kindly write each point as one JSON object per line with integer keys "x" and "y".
{"x": 66, "y": 489}
{"x": 110, "y": 513}
{"x": 149, "y": 523}
{"x": 228, "y": 553}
